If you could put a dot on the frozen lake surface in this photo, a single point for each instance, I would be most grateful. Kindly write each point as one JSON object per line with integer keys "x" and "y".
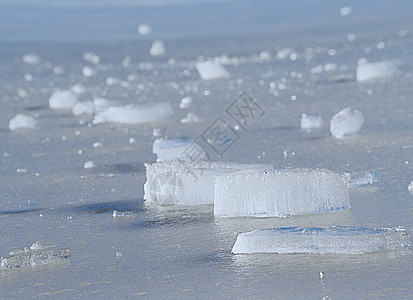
{"x": 292, "y": 59}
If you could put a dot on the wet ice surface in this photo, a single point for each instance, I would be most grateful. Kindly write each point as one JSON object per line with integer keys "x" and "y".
{"x": 47, "y": 195}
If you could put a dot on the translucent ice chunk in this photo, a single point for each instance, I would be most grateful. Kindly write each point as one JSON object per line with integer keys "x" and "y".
{"x": 177, "y": 149}
{"x": 22, "y": 122}
{"x": 62, "y": 100}
{"x": 135, "y": 114}
{"x": 275, "y": 193}
{"x": 33, "y": 256}
{"x": 185, "y": 102}
{"x": 346, "y": 122}
{"x": 186, "y": 183}
{"x": 158, "y": 48}
{"x": 367, "y": 71}
{"x": 309, "y": 121}
{"x": 339, "y": 240}
{"x": 211, "y": 70}
{"x": 363, "y": 178}
{"x": 144, "y": 29}
{"x": 31, "y": 58}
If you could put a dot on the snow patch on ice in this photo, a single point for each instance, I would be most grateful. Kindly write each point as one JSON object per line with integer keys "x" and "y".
{"x": 22, "y": 122}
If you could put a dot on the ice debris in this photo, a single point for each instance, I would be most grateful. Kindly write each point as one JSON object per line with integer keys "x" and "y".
{"x": 177, "y": 149}
{"x": 278, "y": 193}
{"x": 33, "y": 256}
{"x": 310, "y": 121}
{"x": 346, "y": 122}
{"x": 116, "y": 213}
{"x": 211, "y": 70}
{"x": 363, "y": 178}
{"x": 336, "y": 240}
{"x": 31, "y": 59}
{"x": 191, "y": 118}
{"x": 368, "y": 71}
{"x": 157, "y": 48}
{"x": 185, "y": 102}
{"x": 135, "y": 114}
{"x": 410, "y": 186}
{"x": 186, "y": 183}
{"x": 22, "y": 122}
{"x": 89, "y": 165}
{"x": 83, "y": 108}
{"x": 91, "y": 57}
{"x": 346, "y": 11}
{"x": 144, "y": 29}
{"x": 62, "y": 100}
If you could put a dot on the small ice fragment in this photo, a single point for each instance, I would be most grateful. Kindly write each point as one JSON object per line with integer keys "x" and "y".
{"x": 62, "y": 100}
{"x": 31, "y": 59}
{"x": 22, "y": 122}
{"x": 321, "y": 275}
{"x": 351, "y": 37}
{"x": 97, "y": 144}
{"x": 336, "y": 240}
{"x": 144, "y": 29}
{"x": 186, "y": 183}
{"x": 22, "y": 93}
{"x": 21, "y": 170}
{"x": 277, "y": 193}
{"x": 28, "y": 77}
{"x": 126, "y": 61}
{"x": 185, "y": 102}
{"x": 118, "y": 254}
{"x": 310, "y": 121}
{"x": 211, "y": 70}
{"x": 33, "y": 256}
{"x": 177, "y": 149}
{"x": 91, "y": 57}
{"x": 89, "y": 165}
{"x": 158, "y": 48}
{"x": 158, "y": 132}
{"x": 132, "y": 140}
{"x": 135, "y": 114}
{"x": 78, "y": 89}
{"x": 191, "y": 118}
{"x": 284, "y": 53}
{"x": 101, "y": 104}
{"x": 265, "y": 55}
{"x": 410, "y": 186}
{"x": 81, "y": 108}
{"x": 346, "y": 122}
{"x": 345, "y": 11}
{"x": 368, "y": 71}
{"x": 87, "y": 72}
{"x": 116, "y": 213}
{"x": 112, "y": 80}
{"x": 363, "y": 178}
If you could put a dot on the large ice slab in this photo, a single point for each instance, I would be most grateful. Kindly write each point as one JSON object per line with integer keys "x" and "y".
{"x": 368, "y": 71}
{"x": 276, "y": 193}
{"x": 338, "y": 240}
{"x": 135, "y": 114}
{"x": 33, "y": 256}
{"x": 346, "y": 122}
{"x": 211, "y": 70}
{"x": 187, "y": 183}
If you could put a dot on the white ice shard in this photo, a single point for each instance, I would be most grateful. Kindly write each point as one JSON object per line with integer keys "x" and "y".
{"x": 177, "y": 149}
{"x": 135, "y": 114}
{"x": 211, "y": 70}
{"x": 410, "y": 186}
{"x": 367, "y": 71}
{"x": 310, "y": 121}
{"x": 185, "y": 102}
{"x": 346, "y": 122}
{"x": 22, "y": 122}
{"x": 144, "y": 29}
{"x": 363, "y": 178}
{"x": 186, "y": 183}
{"x": 33, "y": 256}
{"x": 337, "y": 240}
{"x": 86, "y": 108}
{"x": 62, "y": 100}
{"x": 276, "y": 193}
{"x": 89, "y": 165}
{"x": 157, "y": 48}
{"x": 31, "y": 58}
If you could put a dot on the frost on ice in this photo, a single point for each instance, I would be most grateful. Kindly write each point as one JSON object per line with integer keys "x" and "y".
{"x": 158, "y": 48}
{"x": 62, "y": 100}
{"x": 22, "y": 122}
{"x": 177, "y": 149}
{"x": 135, "y": 114}
{"x": 186, "y": 183}
{"x": 367, "y": 71}
{"x": 310, "y": 121}
{"x": 276, "y": 193}
{"x": 211, "y": 70}
{"x": 33, "y": 256}
{"x": 338, "y": 240}
{"x": 346, "y": 122}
